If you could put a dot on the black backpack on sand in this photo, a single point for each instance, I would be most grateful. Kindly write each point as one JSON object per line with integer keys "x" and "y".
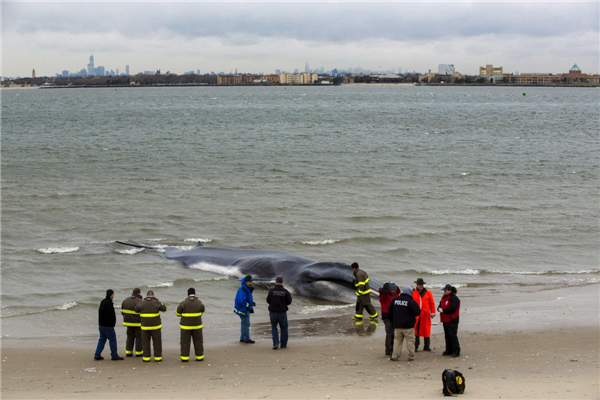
{"x": 454, "y": 382}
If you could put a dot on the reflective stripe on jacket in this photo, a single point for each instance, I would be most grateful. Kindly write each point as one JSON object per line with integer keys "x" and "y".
{"x": 190, "y": 310}
{"x": 361, "y": 282}
{"x": 130, "y": 317}
{"x": 149, "y": 310}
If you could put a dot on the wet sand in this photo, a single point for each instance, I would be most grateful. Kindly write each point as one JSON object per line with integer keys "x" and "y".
{"x": 550, "y": 351}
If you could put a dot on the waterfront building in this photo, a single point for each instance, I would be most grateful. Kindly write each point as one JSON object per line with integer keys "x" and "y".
{"x": 489, "y": 72}
{"x": 127, "y": 70}
{"x": 575, "y": 76}
{"x": 534, "y": 79}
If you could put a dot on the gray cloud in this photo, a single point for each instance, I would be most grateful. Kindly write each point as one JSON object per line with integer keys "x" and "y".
{"x": 229, "y": 30}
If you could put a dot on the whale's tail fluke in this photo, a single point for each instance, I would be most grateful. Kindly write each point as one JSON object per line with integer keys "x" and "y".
{"x": 139, "y": 246}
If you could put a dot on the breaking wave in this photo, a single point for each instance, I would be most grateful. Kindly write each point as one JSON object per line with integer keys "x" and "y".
{"x": 55, "y": 250}
{"x": 471, "y": 271}
{"x": 62, "y": 307}
{"x": 133, "y": 250}
{"x": 198, "y": 240}
{"x": 321, "y": 242}
{"x": 159, "y": 285}
{"x": 313, "y": 309}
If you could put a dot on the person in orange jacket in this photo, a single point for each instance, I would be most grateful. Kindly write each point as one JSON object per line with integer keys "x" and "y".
{"x": 424, "y": 298}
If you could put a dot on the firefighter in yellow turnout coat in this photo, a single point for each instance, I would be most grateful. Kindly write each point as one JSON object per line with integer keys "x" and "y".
{"x": 149, "y": 310}
{"x": 190, "y": 310}
{"x": 131, "y": 320}
{"x": 363, "y": 294}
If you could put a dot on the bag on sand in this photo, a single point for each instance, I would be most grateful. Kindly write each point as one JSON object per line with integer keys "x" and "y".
{"x": 454, "y": 382}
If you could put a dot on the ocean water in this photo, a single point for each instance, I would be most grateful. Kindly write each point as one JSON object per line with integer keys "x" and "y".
{"x": 485, "y": 188}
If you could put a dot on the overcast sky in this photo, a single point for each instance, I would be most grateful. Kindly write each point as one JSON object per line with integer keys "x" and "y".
{"x": 263, "y": 37}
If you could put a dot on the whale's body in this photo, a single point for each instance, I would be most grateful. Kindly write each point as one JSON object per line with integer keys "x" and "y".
{"x": 325, "y": 280}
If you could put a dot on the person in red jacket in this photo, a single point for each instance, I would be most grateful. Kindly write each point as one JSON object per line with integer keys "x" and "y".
{"x": 449, "y": 310}
{"x": 423, "y": 326}
{"x": 387, "y": 293}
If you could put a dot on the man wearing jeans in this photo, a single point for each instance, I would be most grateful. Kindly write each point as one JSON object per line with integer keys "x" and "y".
{"x": 279, "y": 299}
{"x": 403, "y": 313}
{"x": 106, "y": 325}
{"x": 244, "y": 306}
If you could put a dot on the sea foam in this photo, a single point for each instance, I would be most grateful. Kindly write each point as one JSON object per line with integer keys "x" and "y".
{"x": 320, "y": 242}
{"x": 55, "y": 250}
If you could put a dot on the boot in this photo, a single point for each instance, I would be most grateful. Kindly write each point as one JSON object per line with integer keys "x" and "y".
{"x": 427, "y": 344}
{"x": 417, "y": 343}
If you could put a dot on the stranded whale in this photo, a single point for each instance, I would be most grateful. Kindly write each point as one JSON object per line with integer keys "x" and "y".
{"x": 331, "y": 281}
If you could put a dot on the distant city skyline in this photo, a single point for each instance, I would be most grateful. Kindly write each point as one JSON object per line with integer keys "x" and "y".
{"x": 222, "y": 37}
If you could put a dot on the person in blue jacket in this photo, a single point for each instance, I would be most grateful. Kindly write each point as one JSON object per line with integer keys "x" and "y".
{"x": 244, "y": 306}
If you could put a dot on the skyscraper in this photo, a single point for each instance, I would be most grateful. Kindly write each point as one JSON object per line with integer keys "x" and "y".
{"x": 33, "y": 74}
{"x": 127, "y": 70}
{"x": 91, "y": 66}
{"x": 306, "y": 68}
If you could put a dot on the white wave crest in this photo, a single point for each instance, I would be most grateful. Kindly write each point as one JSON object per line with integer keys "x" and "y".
{"x": 66, "y": 306}
{"x": 218, "y": 278}
{"x": 313, "y": 309}
{"x": 129, "y": 251}
{"x": 156, "y": 240}
{"x": 551, "y": 272}
{"x": 467, "y": 271}
{"x": 54, "y": 250}
{"x": 218, "y": 269}
{"x": 159, "y": 285}
{"x": 320, "y": 242}
{"x": 198, "y": 240}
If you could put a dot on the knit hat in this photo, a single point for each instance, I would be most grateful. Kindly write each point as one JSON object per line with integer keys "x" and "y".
{"x": 191, "y": 291}
{"x": 407, "y": 290}
{"x": 248, "y": 278}
{"x": 420, "y": 281}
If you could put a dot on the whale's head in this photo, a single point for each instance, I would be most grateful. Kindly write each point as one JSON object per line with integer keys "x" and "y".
{"x": 331, "y": 281}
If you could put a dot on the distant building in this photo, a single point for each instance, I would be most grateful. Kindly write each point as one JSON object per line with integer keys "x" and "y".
{"x": 445, "y": 69}
{"x": 127, "y": 70}
{"x": 575, "y": 76}
{"x": 306, "y": 68}
{"x": 489, "y": 72}
{"x": 90, "y": 66}
{"x": 33, "y": 74}
{"x": 65, "y": 74}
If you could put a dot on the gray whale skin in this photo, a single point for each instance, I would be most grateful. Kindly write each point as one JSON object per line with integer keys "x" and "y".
{"x": 325, "y": 280}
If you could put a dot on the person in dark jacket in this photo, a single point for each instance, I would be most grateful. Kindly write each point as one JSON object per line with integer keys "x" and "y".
{"x": 403, "y": 313}
{"x": 387, "y": 294}
{"x": 106, "y": 325}
{"x": 279, "y": 299}
{"x": 244, "y": 306}
{"x": 449, "y": 310}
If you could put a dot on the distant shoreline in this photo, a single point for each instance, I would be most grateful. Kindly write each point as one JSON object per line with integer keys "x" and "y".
{"x": 344, "y": 84}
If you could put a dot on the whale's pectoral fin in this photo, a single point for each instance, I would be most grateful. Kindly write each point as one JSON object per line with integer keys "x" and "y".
{"x": 139, "y": 246}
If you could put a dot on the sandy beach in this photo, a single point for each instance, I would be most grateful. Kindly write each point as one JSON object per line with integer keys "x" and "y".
{"x": 543, "y": 348}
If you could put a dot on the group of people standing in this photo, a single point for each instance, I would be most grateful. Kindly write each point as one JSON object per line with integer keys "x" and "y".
{"x": 406, "y": 313}
{"x": 142, "y": 319}
{"x": 407, "y": 316}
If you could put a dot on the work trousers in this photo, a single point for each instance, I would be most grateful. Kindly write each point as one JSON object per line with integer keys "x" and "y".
{"x": 363, "y": 302}
{"x": 156, "y": 336}
{"x": 245, "y": 327}
{"x": 389, "y": 337}
{"x": 451, "y": 336}
{"x": 107, "y": 333}
{"x": 134, "y": 335}
{"x": 281, "y": 319}
{"x": 399, "y": 336}
{"x": 187, "y": 335}
{"x": 425, "y": 345}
